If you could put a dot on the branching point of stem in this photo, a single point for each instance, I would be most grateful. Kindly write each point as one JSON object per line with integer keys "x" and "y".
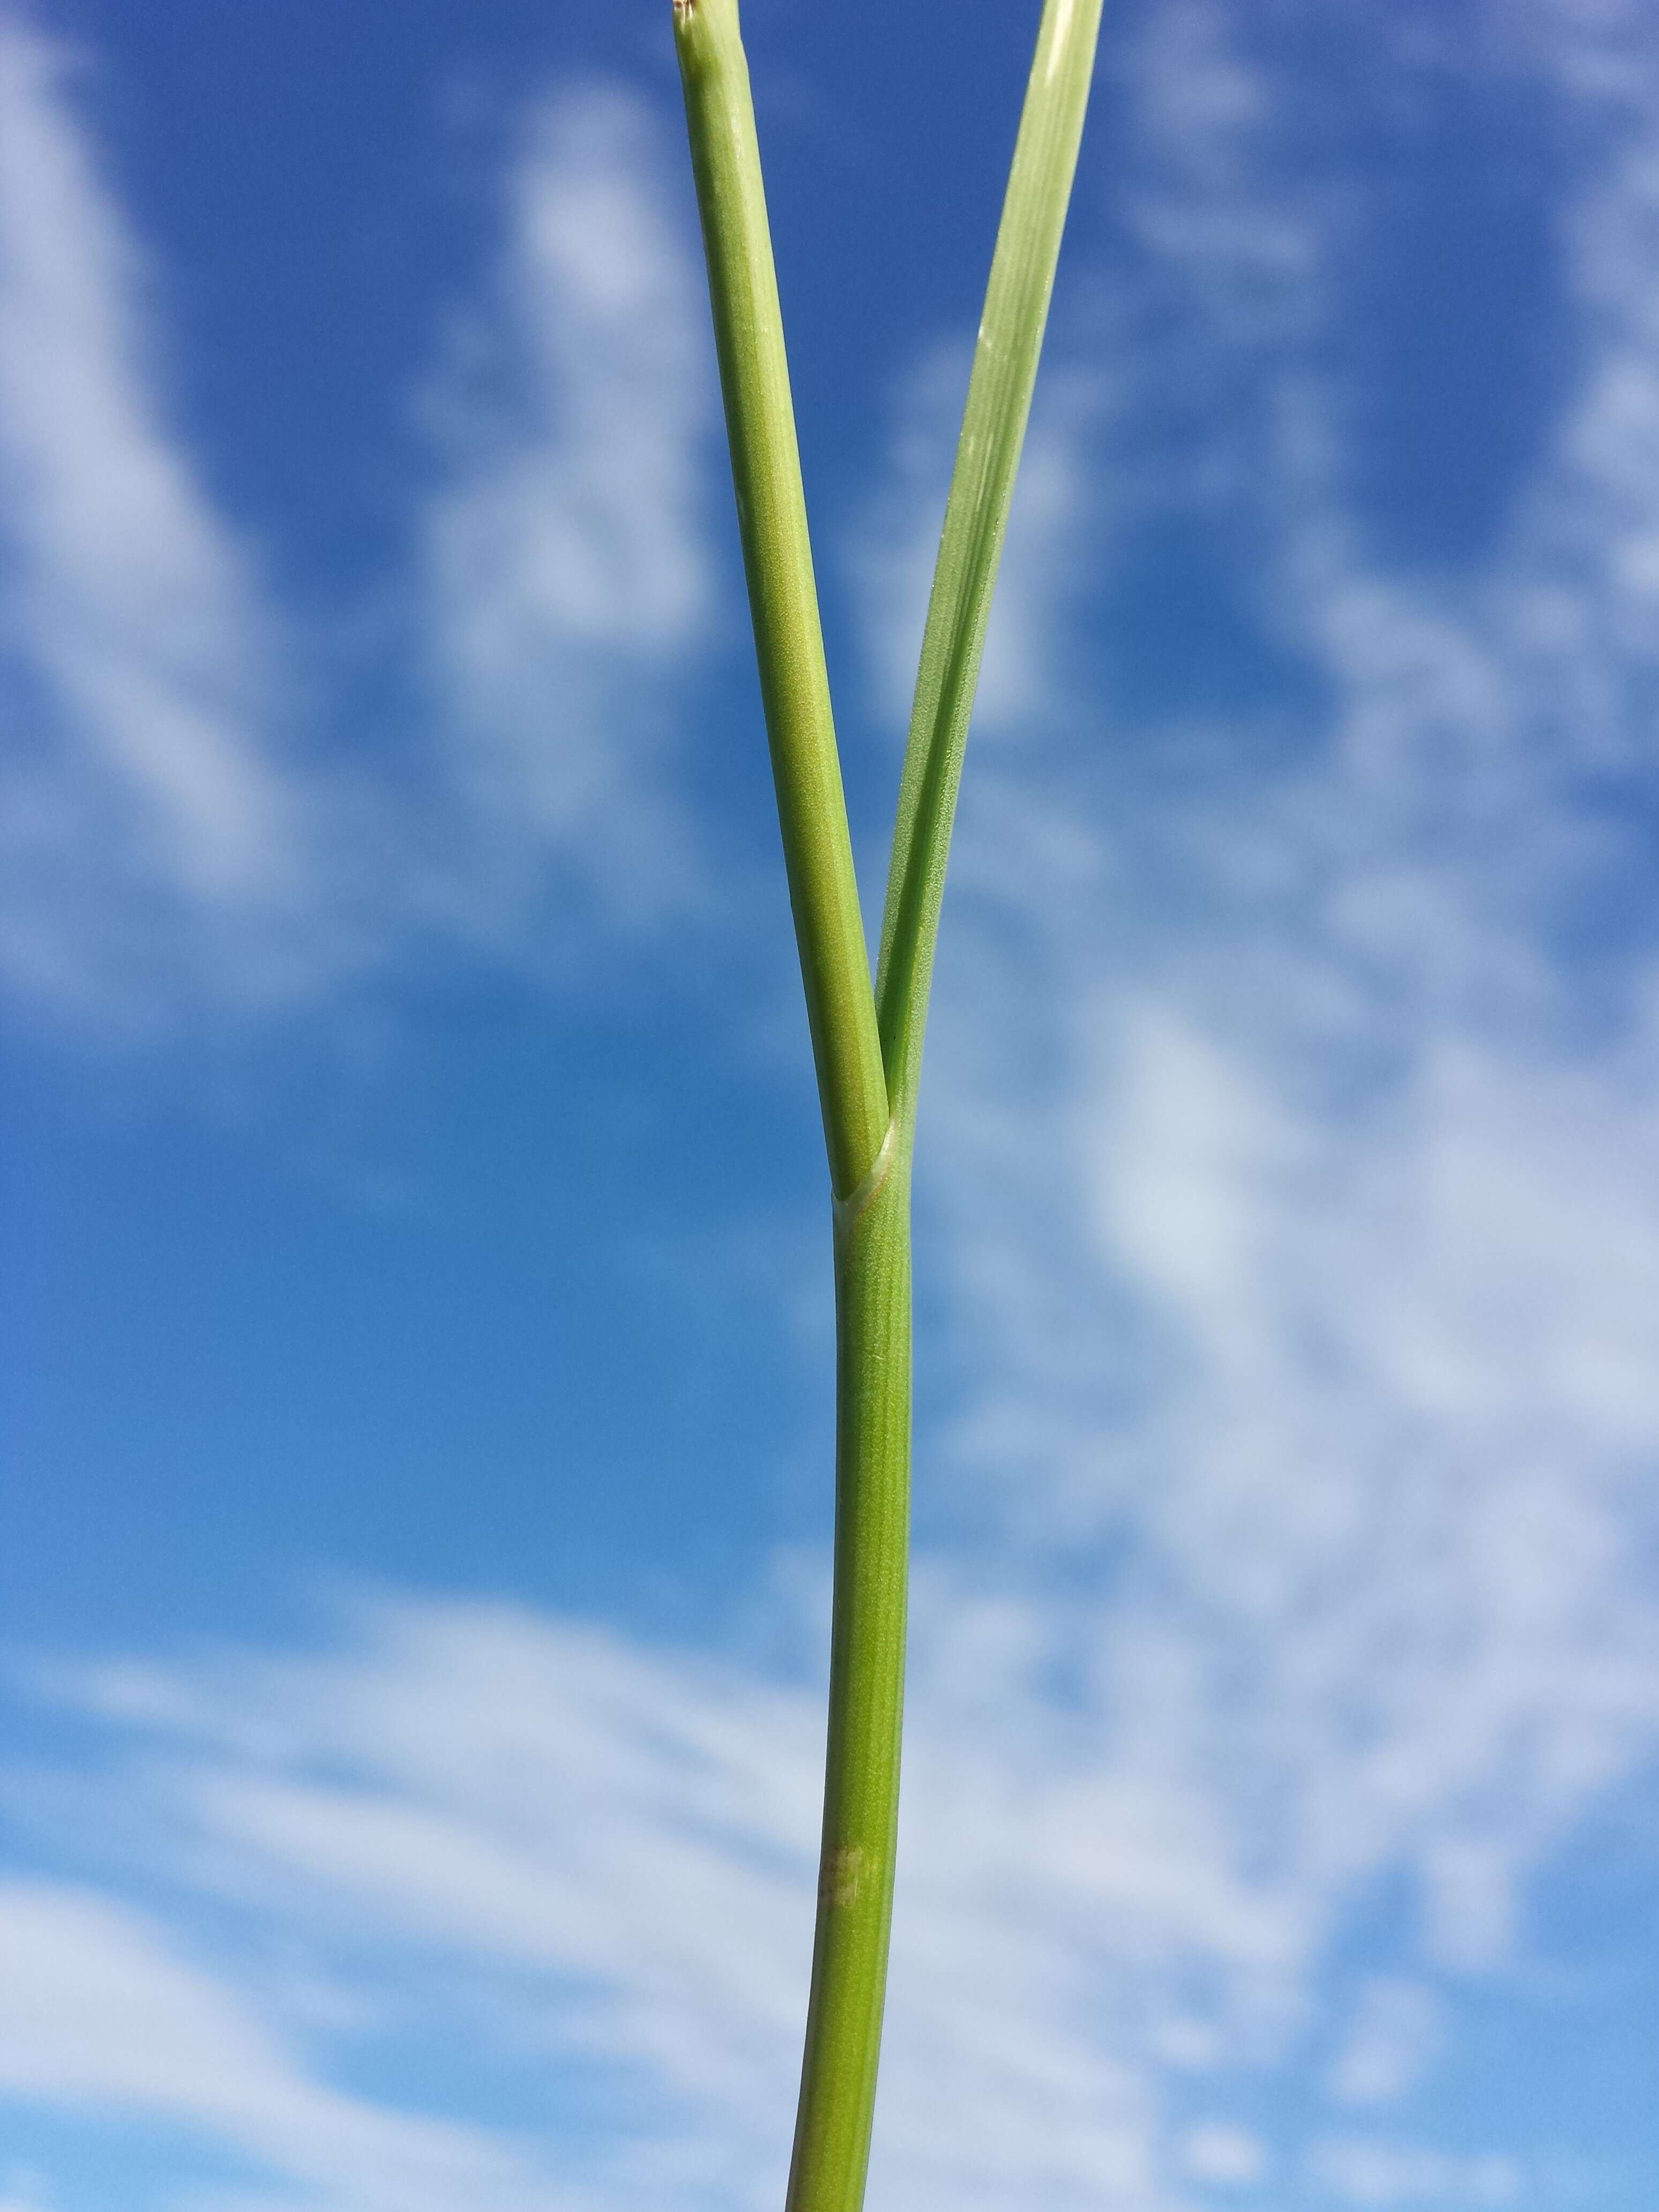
{"x": 857, "y": 1200}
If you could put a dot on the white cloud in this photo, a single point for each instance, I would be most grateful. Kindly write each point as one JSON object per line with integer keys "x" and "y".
{"x": 1208, "y": 194}
{"x": 24, "y": 2190}
{"x": 1385, "y": 2174}
{"x": 563, "y": 1847}
{"x": 606, "y": 1855}
{"x": 570, "y": 584}
{"x": 1225, "y": 2157}
{"x": 142, "y": 794}
{"x": 172, "y": 834}
{"x": 1396, "y": 2033}
{"x": 96, "y": 2011}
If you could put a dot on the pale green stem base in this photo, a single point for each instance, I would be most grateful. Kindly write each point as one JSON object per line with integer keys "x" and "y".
{"x": 866, "y": 1691}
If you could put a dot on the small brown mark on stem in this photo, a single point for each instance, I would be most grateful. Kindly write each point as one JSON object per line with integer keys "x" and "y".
{"x": 845, "y": 1872}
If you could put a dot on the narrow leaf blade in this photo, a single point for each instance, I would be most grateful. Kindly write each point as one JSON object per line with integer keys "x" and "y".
{"x": 975, "y": 518}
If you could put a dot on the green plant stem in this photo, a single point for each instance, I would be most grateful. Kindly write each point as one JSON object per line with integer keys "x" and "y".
{"x": 975, "y": 518}
{"x": 867, "y": 1068}
{"x": 777, "y": 557}
{"x": 870, "y": 1179}
{"x": 866, "y": 1693}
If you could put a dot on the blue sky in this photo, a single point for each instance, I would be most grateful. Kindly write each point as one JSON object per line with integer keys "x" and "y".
{"x": 414, "y": 1572}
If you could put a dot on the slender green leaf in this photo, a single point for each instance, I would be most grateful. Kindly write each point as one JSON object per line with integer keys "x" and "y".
{"x": 783, "y": 603}
{"x": 975, "y": 517}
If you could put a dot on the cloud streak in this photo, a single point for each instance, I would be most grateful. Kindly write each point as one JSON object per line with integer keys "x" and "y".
{"x": 180, "y": 827}
{"x": 566, "y": 571}
{"x": 595, "y": 1857}
{"x": 143, "y": 662}
{"x": 99, "y": 2013}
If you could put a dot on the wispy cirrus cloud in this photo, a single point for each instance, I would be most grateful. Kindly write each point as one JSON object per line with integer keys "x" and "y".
{"x": 177, "y": 831}
{"x": 594, "y": 1859}
{"x": 143, "y": 662}
{"x": 101, "y": 2013}
{"x": 568, "y": 577}
{"x": 599, "y": 1858}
